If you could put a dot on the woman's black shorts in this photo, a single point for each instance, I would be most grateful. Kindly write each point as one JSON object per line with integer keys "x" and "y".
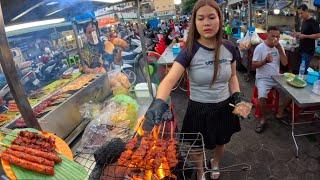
{"x": 214, "y": 121}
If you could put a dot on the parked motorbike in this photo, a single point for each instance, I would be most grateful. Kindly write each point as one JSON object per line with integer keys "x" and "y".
{"x": 52, "y": 70}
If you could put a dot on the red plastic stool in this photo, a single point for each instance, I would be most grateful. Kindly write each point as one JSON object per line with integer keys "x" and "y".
{"x": 272, "y": 101}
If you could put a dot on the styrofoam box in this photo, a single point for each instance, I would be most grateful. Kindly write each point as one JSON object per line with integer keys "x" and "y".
{"x": 141, "y": 90}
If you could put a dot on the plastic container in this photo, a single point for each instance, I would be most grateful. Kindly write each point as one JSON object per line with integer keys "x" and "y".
{"x": 302, "y": 70}
{"x": 312, "y": 77}
{"x": 316, "y": 87}
{"x": 175, "y": 50}
{"x": 141, "y": 90}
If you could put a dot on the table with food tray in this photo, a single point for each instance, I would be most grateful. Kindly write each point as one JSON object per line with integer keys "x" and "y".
{"x": 303, "y": 97}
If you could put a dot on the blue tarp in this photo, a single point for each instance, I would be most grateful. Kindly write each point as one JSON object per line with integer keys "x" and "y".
{"x": 85, "y": 17}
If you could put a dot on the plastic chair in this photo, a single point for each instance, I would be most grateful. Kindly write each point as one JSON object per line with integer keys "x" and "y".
{"x": 71, "y": 61}
{"x": 272, "y": 101}
{"x": 77, "y": 59}
{"x": 160, "y": 48}
{"x": 65, "y": 61}
{"x": 152, "y": 60}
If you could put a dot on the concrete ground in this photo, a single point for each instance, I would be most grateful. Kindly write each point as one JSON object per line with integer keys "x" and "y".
{"x": 270, "y": 154}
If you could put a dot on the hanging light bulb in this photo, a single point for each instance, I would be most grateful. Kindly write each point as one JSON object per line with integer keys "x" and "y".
{"x": 276, "y": 11}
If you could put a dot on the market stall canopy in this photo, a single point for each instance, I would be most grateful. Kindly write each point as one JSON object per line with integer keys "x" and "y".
{"x": 18, "y": 11}
{"x": 103, "y": 22}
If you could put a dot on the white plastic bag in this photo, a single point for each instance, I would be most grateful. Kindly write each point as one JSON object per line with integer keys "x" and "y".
{"x": 254, "y": 38}
{"x": 245, "y": 42}
{"x": 115, "y": 120}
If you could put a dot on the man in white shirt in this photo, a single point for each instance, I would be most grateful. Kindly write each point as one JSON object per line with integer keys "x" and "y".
{"x": 266, "y": 59}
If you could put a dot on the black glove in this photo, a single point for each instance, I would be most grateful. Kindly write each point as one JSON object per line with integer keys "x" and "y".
{"x": 154, "y": 114}
{"x": 236, "y": 98}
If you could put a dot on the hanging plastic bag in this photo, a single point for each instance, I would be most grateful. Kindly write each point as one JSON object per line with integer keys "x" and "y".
{"x": 245, "y": 42}
{"x": 254, "y": 38}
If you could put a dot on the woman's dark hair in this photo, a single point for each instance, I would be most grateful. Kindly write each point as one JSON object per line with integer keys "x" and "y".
{"x": 194, "y": 35}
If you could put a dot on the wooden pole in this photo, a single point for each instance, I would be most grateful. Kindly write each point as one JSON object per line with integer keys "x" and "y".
{"x": 13, "y": 79}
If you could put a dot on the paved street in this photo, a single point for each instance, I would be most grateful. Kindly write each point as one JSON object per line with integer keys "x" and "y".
{"x": 271, "y": 154}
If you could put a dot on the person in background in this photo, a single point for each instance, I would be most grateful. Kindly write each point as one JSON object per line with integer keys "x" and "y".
{"x": 93, "y": 50}
{"x": 163, "y": 26}
{"x": 47, "y": 55}
{"x": 185, "y": 30}
{"x": 170, "y": 36}
{"x": 309, "y": 32}
{"x": 228, "y": 31}
{"x": 235, "y": 24}
{"x": 211, "y": 66}
{"x": 266, "y": 59}
{"x": 171, "y": 24}
{"x": 177, "y": 32}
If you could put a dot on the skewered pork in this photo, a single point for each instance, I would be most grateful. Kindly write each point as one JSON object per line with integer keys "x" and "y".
{"x": 31, "y": 158}
{"x": 51, "y": 156}
{"x": 43, "y": 169}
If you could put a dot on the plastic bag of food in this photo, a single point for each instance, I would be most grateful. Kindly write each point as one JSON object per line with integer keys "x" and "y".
{"x": 125, "y": 100}
{"x": 109, "y": 124}
{"x": 254, "y": 38}
{"x": 119, "y": 83}
{"x": 90, "y": 110}
{"x": 245, "y": 42}
{"x": 124, "y": 111}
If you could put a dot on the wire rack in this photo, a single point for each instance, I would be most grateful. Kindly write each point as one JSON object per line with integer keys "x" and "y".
{"x": 191, "y": 157}
{"x": 190, "y": 153}
{"x": 187, "y": 145}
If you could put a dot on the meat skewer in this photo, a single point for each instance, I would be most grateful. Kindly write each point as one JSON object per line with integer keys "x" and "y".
{"x": 171, "y": 152}
{"x": 132, "y": 143}
{"x": 51, "y": 156}
{"x": 27, "y": 164}
{"x": 33, "y": 146}
{"x": 40, "y": 138}
{"x": 29, "y": 157}
{"x": 26, "y": 141}
{"x": 126, "y": 155}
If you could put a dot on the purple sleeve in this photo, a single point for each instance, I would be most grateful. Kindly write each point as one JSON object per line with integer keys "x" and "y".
{"x": 233, "y": 50}
{"x": 183, "y": 59}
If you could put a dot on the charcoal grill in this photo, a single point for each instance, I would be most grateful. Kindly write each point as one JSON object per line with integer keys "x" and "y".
{"x": 188, "y": 144}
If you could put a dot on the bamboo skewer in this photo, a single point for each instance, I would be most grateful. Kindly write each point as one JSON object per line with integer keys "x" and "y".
{"x": 171, "y": 129}
{"x": 163, "y": 129}
{"x": 138, "y": 127}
